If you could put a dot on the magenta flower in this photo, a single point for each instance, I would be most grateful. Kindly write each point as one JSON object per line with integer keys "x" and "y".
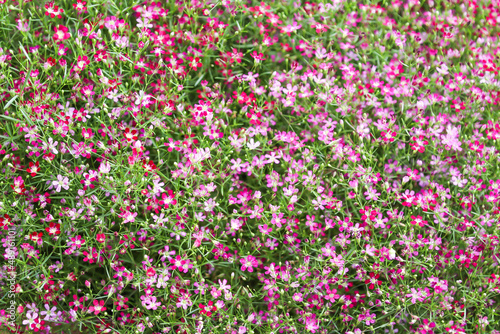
{"x": 61, "y": 33}
{"x": 98, "y": 307}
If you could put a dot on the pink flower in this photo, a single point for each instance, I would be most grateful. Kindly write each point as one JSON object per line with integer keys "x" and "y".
{"x": 149, "y": 302}
{"x": 312, "y": 323}
{"x": 128, "y": 217}
{"x": 61, "y": 33}
{"x": 426, "y": 327}
{"x": 61, "y": 182}
{"x": 249, "y": 263}
{"x": 98, "y": 307}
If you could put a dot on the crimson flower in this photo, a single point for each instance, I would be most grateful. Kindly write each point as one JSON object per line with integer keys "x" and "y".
{"x": 5, "y": 222}
{"x": 80, "y": 6}
{"x": 373, "y": 280}
{"x": 34, "y": 168}
{"x": 149, "y": 166}
{"x": 130, "y": 134}
{"x": 35, "y": 237}
{"x": 53, "y": 10}
{"x": 53, "y": 229}
{"x": 194, "y": 63}
{"x": 205, "y": 309}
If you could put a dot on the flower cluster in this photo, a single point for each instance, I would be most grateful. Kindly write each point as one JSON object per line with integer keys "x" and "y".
{"x": 250, "y": 167}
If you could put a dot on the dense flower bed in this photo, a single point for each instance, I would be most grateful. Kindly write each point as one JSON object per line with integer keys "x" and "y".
{"x": 230, "y": 166}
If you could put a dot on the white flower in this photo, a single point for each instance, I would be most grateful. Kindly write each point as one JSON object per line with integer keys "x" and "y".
{"x": 105, "y": 167}
{"x": 143, "y": 23}
{"x": 252, "y": 144}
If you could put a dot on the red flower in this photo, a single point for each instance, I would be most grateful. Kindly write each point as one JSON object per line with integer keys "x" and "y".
{"x": 50, "y": 156}
{"x": 35, "y": 237}
{"x": 72, "y": 277}
{"x": 257, "y": 56}
{"x": 243, "y": 98}
{"x": 419, "y": 144}
{"x": 194, "y": 63}
{"x": 130, "y": 135}
{"x": 149, "y": 166}
{"x": 100, "y": 55}
{"x": 235, "y": 55}
{"x": 172, "y": 145}
{"x": 53, "y": 10}
{"x": 43, "y": 198}
{"x": 53, "y": 229}
{"x": 220, "y": 250}
{"x": 373, "y": 280}
{"x": 205, "y": 309}
{"x": 81, "y": 63}
{"x": 476, "y": 146}
{"x": 50, "y": 62}
{"x": 34, "y": 168}
{"x": 5, "y": 221}
{"x": 80, "y": 6}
